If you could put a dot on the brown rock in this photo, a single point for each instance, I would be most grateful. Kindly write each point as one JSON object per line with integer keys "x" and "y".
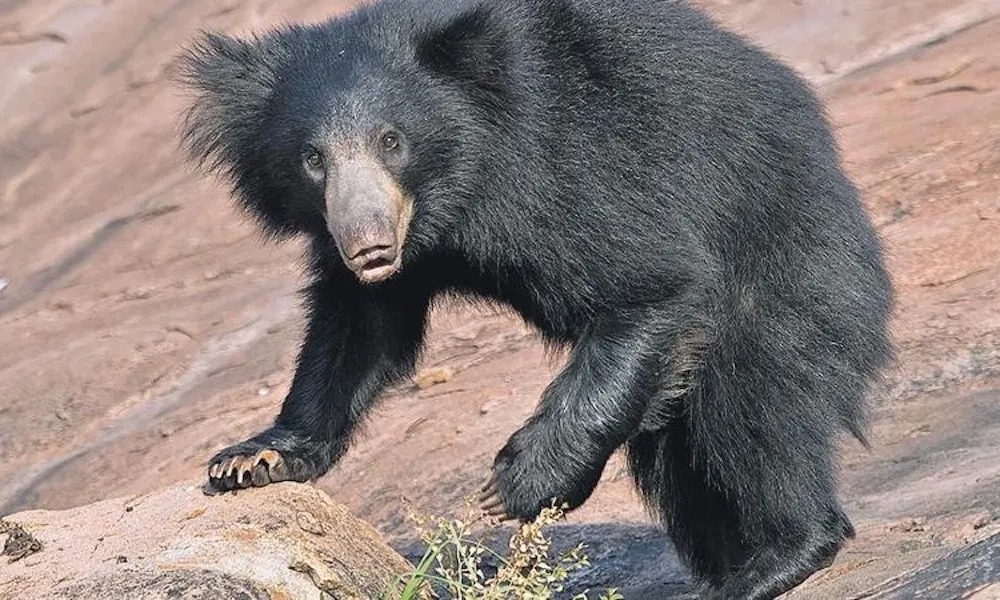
{"x": 431, "y": 377}
{"x": 282, "y": 541}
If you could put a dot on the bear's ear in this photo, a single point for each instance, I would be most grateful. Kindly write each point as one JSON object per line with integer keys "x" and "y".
{"x": 472, "y": 47}
{"x": 232, "y": 81}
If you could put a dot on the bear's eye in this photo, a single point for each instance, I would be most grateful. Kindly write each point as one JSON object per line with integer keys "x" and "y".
{"x": 390, "y": 141}
{"x": 314, "y": 160}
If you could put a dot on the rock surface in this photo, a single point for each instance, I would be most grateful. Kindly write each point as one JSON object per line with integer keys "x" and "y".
{"x": 285, "y": 542}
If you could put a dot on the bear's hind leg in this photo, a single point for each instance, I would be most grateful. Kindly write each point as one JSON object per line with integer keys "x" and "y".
{"x": 699, "y": 519}
{"x": 738, "y": 548}
{"x": 763, "y": 434}
{"x": 787, "y": 559}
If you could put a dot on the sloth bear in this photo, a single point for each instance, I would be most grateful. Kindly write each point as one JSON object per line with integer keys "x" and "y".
{"x": 649, "y": 191}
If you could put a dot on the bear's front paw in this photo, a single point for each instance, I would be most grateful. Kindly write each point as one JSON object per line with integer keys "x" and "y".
{"x": 532, "y": 473}
{"x": 270, "y": 457}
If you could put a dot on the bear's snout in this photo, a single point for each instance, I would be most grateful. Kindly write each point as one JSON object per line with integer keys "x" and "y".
{"x": 368, "y": 216}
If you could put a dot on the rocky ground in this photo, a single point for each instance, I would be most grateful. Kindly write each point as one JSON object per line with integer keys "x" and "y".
{"x": 143, "y": 325}
{"x": 291, "y": 541}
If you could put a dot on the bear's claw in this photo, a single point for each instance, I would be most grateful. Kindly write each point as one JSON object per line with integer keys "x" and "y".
{"x": 242, "y": 470}
{"x": 490, "y": 502}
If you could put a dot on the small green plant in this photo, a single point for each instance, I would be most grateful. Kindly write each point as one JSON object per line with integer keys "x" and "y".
{"x": 453, "y": 562}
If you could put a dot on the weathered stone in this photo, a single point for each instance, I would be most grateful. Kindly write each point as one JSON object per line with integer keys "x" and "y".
{"x": 285, "y": 541}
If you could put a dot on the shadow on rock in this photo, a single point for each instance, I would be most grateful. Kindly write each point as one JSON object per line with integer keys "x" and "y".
{"x": 638, "y": 560}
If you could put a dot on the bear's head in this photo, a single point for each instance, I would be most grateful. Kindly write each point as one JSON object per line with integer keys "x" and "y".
{"x": 368, "y": 131}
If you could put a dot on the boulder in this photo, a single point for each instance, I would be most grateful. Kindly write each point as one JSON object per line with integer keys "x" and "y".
{"x": 282, "y": 542}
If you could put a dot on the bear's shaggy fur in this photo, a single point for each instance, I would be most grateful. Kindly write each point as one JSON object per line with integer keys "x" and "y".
{"x": 648, "y": 190}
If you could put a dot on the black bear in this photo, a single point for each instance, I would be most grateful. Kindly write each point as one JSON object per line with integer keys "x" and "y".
{"x": 653, "y": 193}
